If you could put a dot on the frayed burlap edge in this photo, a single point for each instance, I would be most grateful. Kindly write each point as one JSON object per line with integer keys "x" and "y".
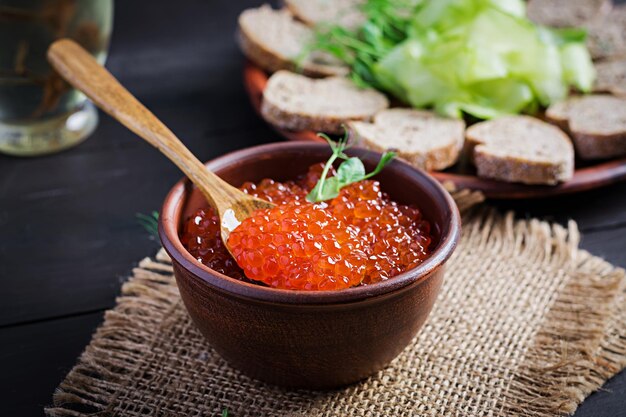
{"x": 582, "y": 342}
{"x": 566, "y": 364}
{"x": 557, "y": 373}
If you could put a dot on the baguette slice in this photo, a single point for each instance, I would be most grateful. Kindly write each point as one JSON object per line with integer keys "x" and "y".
{"x": 596, "y": 123}
{"x": 611, "y": 77}
{"x": 296, "y": 102}
{"x": 559, "y": 113}
{"x": 566, "y": 13}
{"x": 422, "y": 138}
{"x": 274, "y": 40}
{"x": 521, "y": 149}
{"x": 345, "y": 13}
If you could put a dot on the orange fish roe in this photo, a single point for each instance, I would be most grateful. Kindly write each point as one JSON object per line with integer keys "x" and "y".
{"x": 395, "y": 236}
{"x": 299, "y": 246}
{"x": 280, "y": 193}
{"x": 203, "y": 240}
{"x": 358, "y": 238}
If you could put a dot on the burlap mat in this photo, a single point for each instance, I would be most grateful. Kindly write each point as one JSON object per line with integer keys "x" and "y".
{"x": 526, "y": 325}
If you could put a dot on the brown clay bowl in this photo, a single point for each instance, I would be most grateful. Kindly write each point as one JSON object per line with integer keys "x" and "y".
{"x": 300, "y": 339}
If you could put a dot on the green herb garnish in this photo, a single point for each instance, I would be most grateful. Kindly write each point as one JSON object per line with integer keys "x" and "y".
{"x": 350, "y": 171}
{"x": 225, "y": 412}
{"x": 149, "y": 222}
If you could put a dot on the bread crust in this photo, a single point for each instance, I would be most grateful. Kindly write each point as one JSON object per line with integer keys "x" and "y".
{"x": 588, "y": 144}
{"x": 262, "y": 57}
{"x": 433, "y": 159}
{"x": 295, "y": 102}
{"x": 516, "y": 169}
{"x": 300, "y": 121}
{"x": 596, "y": 146}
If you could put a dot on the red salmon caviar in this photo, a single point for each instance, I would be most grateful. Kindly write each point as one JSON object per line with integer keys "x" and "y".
{"x": 280, "y": 193}
{"x": 203, "y": 240}
{"x": 358, "y": 238}
{"x": 299, "y": 246}
{"x": 396, "y": 238}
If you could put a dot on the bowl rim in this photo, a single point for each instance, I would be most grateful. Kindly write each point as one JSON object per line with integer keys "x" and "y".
{"x": 174, "y": 247}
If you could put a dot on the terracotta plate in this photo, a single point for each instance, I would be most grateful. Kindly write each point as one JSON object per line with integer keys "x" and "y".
{"x": 586, "y": 177}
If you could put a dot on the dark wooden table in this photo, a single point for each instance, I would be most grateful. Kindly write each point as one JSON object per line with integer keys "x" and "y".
{"x": 68, "y": 232}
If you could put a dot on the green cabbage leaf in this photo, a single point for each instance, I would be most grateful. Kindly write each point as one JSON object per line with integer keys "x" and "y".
{"x": 483, "y": 58}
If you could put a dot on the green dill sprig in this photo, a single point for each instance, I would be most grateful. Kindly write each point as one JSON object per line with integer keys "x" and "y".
{"x": 387, "y": 24}
{"x": 150, "y": 222}
{"x": 350, "y": 171}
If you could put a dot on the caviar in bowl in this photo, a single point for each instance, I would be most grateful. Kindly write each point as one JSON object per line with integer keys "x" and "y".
{"x": 310, "y": 339}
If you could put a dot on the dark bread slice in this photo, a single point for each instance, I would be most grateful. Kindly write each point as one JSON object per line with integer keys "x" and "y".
{"x": 293, "y": 101}
{"x": 274, "y": 40}
{"x": 422, "y": 138}
{"x": 520, "y": 149}
{"x": 597, "y": 124}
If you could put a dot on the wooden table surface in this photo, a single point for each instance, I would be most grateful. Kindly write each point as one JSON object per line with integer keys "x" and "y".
{"x": 68, "y": 232}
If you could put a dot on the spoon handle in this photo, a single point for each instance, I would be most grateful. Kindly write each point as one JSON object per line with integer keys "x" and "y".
{"x": 82, "y": 71}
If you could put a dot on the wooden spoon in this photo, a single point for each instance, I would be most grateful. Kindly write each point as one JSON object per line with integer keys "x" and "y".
{"x": 82, "y": 71}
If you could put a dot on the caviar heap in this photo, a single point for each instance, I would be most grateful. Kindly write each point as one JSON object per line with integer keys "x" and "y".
{"x": 358, "y": 238}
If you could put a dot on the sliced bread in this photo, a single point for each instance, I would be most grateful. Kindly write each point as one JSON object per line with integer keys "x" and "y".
{"x": 422, "y": 138}
{"x": 611, "y": 77}
{"x": 293, "y": 101}
{"x": 566, "y": 13}
{"x": 604, "y": 22}
{"x": 606, "y": 34}
{"x": 520, "y": 149}
{"x": 345, "y": 13}
{"x": 597, "y": 124}
{"x": 558, "y": 113}
{"x": 274, "y": 40}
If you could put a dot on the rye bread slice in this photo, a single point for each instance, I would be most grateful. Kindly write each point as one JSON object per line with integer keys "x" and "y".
{"x": 293, "y": 101}
{"x": 345, "y": 13}
{"x": 558, "y": 113}
{"x": 520, "y": 149}
{"x": 422, "y": 138}
{"x": 274, "y": 40}
{"x": 606, "y": 34}
{"x": 611, "y": 77}
{"x": 566, "y": 13}
{"x": 597, "y": 124}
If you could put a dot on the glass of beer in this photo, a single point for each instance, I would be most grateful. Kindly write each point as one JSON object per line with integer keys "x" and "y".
{"x": 39, "y": 112}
